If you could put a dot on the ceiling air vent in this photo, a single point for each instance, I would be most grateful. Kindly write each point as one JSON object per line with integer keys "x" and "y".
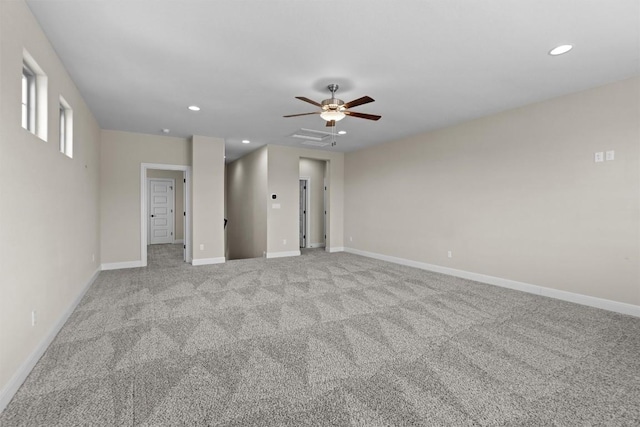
{"x": 316, "y": 143}
{"x": 311, "y": 135}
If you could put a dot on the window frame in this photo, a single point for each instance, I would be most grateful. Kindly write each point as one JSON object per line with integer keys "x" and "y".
{"x": 63, "y": 124}
{"x": 36, "y": 97}
{"x": 28, "y": 98}
{"x": 65, "y": 132}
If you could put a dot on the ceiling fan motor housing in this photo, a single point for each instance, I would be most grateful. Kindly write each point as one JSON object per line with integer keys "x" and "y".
{"x": 332, "y": 104}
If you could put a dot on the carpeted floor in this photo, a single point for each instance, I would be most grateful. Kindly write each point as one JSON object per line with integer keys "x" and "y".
{"x": 328, "y": 340}
{"x": 165, "y": 256}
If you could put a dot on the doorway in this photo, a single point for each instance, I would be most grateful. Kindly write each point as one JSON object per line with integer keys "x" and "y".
{"x": 313, "y": 203}
{"x": 165, "y": 217}
{"x": 304, "y": 208}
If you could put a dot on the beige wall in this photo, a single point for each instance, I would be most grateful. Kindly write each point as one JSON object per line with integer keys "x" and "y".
{"x": 515, "y": 195}
{"x": 208, "y": 199}
{"x": 121, "y": 154}
{"x": 314, "y": 169}
{"x": 49, "y": 209}
{"x": 247, "y": 205}
{"x": 283, "y": 180}
{"x": 178, "y": 211}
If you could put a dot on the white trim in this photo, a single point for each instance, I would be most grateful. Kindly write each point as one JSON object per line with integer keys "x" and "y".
{"x": 10, "y": 389}
{"x": 316, "y": 245}
{"x": 121, "y": 265}
{"x": 335, "y": 249}
{"x": 143, "y": 208}
{"x": 283, "y": 254}
{"x": 604, "y": 304}
{"x": 325, "y": 211}
{"x": 207, "y": 261}
{"x": 176, "y": 241}
{"x": 185, "y": 223}
{"x": 307, "y": 208}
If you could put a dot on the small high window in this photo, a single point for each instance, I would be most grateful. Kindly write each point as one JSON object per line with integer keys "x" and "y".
{"x": 28, "y": 99}
{"x": 66, "y": 128}
{"x": 34, "y": 97}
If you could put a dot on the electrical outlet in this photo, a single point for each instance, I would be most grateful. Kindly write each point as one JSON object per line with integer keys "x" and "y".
{"x": 350, "y": 238}
{"x": 599, "y": 157}
{"x": 33, "y": 318}
{"x": 610, "y": 155}
{"x": 284, "y": 241}
{"x": 202, "y": 246}
{"x": 449, "y": 254}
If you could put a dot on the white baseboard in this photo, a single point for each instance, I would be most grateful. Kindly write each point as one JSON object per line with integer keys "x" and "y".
{"x": 315, "y": 245}
{"x": 282, "y": 254}
{"x": 337, "y": 249}
{"x": 605, "y": 304}
{"x": 10, "y": 389}
{"x": 120, "y": 265}
{"x": 207, "y": 261}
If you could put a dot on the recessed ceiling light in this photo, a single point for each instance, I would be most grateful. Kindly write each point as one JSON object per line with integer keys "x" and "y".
{"x": 194, "y": 108}
{"x": 165, "y": 130}
{"x": 563, "y": 48}
{"x": 245, "y": 141}
{"x": 342, "y": 132}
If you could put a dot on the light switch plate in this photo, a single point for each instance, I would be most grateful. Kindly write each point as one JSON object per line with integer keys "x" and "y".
{"x": 610, "y": 155}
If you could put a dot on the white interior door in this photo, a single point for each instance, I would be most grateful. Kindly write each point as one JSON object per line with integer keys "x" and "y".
{"x": 161, "y": 219}
{"x": 303, "y": 213}
{"x": 324, "y": 209}
{"x": 184, "y": 216}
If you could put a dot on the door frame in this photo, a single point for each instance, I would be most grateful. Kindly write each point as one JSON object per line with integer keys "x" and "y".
{"x": 327, "y": 207}
{"x": 307, "y": 224}
{"x": 174, "y": 209}
{"x": 326, "y": 202}
{"x": 325, "y": 211}
{"x": 144, "y": 212}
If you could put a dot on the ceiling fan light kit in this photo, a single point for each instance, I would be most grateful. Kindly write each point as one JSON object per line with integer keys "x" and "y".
{"x": 331, "y": 115}
{"x": 333, "y": 109}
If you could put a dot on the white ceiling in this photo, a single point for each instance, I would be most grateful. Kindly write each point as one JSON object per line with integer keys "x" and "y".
{"x": 428, "y": 64}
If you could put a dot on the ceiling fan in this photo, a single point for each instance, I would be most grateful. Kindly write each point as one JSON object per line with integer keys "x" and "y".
{"x": 333, "y": 109}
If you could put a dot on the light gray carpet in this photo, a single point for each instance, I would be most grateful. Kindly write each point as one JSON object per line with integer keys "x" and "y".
{"x": 164, "y": 256}
{"x": 328, "y": 340}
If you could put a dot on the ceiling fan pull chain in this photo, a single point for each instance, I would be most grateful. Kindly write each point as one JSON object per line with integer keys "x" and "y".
{"x": 333, "y": 134}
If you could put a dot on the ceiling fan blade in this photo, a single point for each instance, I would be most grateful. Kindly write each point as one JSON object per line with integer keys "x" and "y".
{"x": 359, "y": 101}
{"x": 302, "y": 98}
{"x": 362, "y": 115}
{"x": 330, "y": 123}
{"x": 302, "y": 114}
